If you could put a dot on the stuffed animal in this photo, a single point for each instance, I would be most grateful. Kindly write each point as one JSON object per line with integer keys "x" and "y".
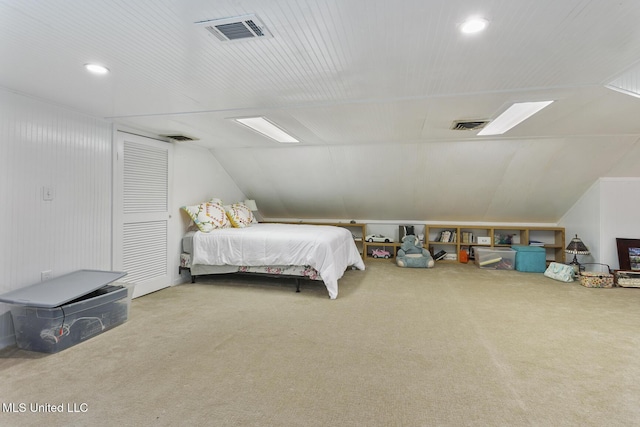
{"x": 412, "y": 254}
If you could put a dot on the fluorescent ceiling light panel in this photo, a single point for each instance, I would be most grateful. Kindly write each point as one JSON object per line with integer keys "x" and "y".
{"x": 265, "y": 127}
{"x": 516, "y": 114}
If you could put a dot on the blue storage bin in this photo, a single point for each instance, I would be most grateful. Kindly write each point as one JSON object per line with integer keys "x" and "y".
{"x": 530, "y": 259}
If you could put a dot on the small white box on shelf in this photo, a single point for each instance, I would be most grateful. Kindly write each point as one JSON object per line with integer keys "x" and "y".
{"x": 482, "y": 240}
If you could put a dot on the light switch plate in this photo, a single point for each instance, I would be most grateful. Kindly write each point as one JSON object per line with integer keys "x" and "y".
{"x": 48, "y": 193}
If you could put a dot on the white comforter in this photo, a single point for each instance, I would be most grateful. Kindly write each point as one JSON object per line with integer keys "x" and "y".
{"x": 330, "y": 250}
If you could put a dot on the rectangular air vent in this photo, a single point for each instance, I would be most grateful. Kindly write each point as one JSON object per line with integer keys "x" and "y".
{"x": 236, "y": 28}
{"x": 469, "y": 124}
{"x": 179, "y": 137}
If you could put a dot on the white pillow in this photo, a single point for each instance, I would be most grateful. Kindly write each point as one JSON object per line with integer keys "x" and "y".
{"x": 207, "y": 216}
{"x": 239, "y": 215}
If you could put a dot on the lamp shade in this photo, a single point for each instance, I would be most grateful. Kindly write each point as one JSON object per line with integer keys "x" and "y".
{"x": 576, "y": 247}
{"x": 251, "y": 204}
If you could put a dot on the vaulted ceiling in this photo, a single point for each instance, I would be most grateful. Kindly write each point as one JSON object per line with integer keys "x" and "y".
{"x": 370, "y": 88}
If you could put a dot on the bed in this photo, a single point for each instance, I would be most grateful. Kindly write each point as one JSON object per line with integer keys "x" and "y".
{"x": 315, "y": 252}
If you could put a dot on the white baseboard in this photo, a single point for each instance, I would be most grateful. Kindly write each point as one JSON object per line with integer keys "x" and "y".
{"x": 180, "y": 280}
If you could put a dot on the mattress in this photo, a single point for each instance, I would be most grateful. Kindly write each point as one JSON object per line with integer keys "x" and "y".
{"x": 329, "y": 250}
{"x": 187, "y": 242}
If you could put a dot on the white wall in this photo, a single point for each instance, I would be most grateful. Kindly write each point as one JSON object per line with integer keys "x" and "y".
{"x": 619, "y": 206}
{"x": 197, "y": 177}
{"x": 45, "y": 145}
{"x": 584, "y": 219}
{"x": 606, "y": 211}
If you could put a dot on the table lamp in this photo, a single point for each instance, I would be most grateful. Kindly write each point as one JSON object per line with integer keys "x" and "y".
{"x": 251, "y": 204}
{"x": 576, "y": 247}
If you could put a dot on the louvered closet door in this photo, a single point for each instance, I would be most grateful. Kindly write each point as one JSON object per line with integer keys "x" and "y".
{"x": 142, "y": 200}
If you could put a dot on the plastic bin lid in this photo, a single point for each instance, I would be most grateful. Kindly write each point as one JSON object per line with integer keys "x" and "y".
{"x": 60, "y": 290}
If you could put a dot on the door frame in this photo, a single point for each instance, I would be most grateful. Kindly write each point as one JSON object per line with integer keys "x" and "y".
{"x": 117, "y": 205}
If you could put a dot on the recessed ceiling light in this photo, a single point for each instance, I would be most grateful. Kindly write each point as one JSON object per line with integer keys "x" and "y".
{"x": 474, "y": 25}
{"x": 514, "y": 115}
{"x": 266, "y": 128}
{"x": 96, "y": 68}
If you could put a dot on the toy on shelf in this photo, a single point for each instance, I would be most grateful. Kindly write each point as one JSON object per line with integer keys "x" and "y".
{"x": 380, "y": 253}
{"x": 412, "y": 254}
{"x": 378, "y": 238}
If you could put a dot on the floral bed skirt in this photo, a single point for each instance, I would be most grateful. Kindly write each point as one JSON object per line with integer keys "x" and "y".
{"x": 285, "y": 270}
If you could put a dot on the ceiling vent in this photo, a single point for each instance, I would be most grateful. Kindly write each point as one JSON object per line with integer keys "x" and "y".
{"x": 179, "y": 137}
{"x": 469, "y": 124}
{"x": 236, "y": 28}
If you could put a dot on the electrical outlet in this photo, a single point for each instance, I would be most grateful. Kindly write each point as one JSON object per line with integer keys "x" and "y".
{"x": 45, "y": 275}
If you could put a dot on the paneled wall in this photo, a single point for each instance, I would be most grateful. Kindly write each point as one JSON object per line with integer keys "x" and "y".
{"x": 48, "y": 149}
{"x": 609, "y": 209}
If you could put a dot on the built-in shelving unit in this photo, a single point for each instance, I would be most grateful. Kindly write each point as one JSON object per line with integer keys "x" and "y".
{"x": 469, "y": 236}
{"x": 462, "y": 236}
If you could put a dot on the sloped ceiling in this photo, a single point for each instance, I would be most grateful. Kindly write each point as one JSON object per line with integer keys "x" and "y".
{"x": 369, "y": 87}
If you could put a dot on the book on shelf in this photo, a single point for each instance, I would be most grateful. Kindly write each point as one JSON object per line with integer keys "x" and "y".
{"x": 535, "y": 243}
{"x": 439, "y": 255}
{"x": 446, "y": 236}
{"x": 452, "y": 236}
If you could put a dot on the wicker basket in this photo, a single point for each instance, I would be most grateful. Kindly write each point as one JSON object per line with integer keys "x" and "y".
{"x": 627, "y": 279}
{"x": 597, "y": 279}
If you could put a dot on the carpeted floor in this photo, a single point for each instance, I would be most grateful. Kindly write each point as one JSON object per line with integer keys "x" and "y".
{"x": 450, "y": 346}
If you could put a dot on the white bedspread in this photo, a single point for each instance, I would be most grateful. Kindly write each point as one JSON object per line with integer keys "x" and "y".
{"x": 328, "y": 249}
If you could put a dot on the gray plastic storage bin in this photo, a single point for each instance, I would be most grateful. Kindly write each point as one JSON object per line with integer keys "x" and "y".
{"x": 56, "y": 314}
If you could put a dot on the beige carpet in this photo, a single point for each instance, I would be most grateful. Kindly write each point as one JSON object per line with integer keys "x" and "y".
{"x": 449, "y": 346}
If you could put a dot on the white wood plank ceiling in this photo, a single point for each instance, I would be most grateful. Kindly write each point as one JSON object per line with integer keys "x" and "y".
{"x": 370, "y": 87}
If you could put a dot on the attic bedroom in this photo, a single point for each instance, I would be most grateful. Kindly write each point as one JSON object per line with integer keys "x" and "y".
{"x": 389, "y": 115}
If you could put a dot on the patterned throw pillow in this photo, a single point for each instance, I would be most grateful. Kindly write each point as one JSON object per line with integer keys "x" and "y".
{"x": 207, "y": 216}
{"x": 239, "y": 215}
